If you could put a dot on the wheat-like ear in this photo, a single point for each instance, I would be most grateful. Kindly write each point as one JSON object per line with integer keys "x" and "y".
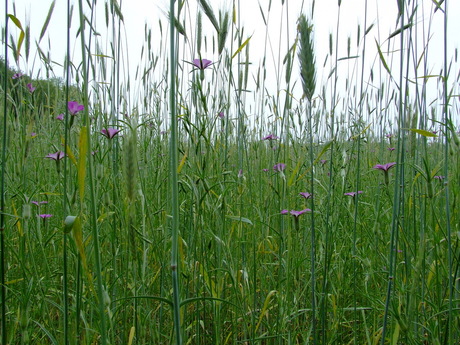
{"x": 130, "y": 155}
{"x": 224, "y": 19}
{"x": 199, "y": 33}
{"x": 307, "y": 57}
{"x": 209, "y": 13}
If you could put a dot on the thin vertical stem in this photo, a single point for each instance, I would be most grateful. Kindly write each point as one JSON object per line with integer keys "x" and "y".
{"x": 2, "y": 197}
{"x": 64, "y": 199}
{"x": 174, "y": 178}
{"x": 399, "y": 174}
{"x": 358, "y": 179}
{"x": 93, "y": 211}
{"x": 447, "y": 189}
{"x": 313, "y": 234}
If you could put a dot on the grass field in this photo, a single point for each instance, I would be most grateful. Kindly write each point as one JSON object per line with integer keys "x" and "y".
{"x": 195, "y": 206}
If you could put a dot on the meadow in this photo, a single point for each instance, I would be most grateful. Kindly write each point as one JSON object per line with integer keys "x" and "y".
{"x": 191, "y": 204}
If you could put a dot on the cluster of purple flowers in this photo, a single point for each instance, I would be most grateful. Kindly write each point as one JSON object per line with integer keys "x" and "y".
{"x": 74, "y": 108}
{"x": 42, "y": 215}
{"x": 383, "y": 167}
{"x": 296, "y": 213}
{"x": 29, "y": 86}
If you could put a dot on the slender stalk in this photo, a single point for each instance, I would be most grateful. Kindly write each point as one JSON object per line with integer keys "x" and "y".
{"x": 174, "y": 178}
{"x": 399, "y": 179}
{"x": 93, "y": 210}
{"x": 2, "y": 197}
{"x": 358, "y": 179}
{"x": 446, "y": 121}
{"x": 308, "y": 76}
{"x": 313, "y": 230}
{"x": 64, "y": 199}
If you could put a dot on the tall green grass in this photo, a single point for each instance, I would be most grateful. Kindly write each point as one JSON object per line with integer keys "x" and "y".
{"x": 173, "y": 230}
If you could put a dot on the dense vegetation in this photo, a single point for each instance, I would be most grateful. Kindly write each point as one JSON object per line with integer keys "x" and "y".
{"x": 307, "y": 223}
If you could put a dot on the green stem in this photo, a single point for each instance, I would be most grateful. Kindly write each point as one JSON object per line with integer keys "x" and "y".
{"x": 93, "y": 210}
{"x": 64, "y": 198}
{"x": 313, "y": 234}
{"x": 174, "y": 179}
{"x": 2, "y": 197}
{"x": 447, "y": 189}
{"x": 398, "y": 183}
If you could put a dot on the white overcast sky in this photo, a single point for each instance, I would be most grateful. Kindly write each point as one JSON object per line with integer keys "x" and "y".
{"x": 138, "y": 13}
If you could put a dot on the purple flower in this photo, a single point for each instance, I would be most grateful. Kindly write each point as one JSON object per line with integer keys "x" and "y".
{"x": 299, "y": 213}
{"x": 33, "y": 135}
{"x": 17, "y": 76}
{"x": 294, "y": 213}
{"x": 110, "y": 132}
{"x": 30, "y": 87}
{"x": 240, "y": 173}
{"x": 60, "y": 117}
{"x": 265, "y": 170}
{"x": 353, "y": 194}
{"x": 270, "y": 137}
{"x": 306, "y": 195}
{"x": 279, "y": 167}
{"x": 45, "y": 215}
{"x": 221, "y": 114}
{"x": 56, "y": 156}
{"x": 391, "y": 149}
{"x": 323, "y": 161}
{"x": 389, "y": 135}
{"x": 384, "y": 167}
{"x": 202, "y": 63}
{"x": 74, "y": 107}
{"x": 39, "y": 202}
{"x": 438, "y": 177}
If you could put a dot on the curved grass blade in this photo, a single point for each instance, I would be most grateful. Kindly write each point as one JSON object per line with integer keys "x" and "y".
{"x": 423, "y": 132}
{"x": 241, "y": 47}
{"x": 382, "y": 58}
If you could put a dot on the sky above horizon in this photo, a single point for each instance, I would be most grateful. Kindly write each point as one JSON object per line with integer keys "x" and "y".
{"x": 139, "y": 13}
{"x": 279, "y": 32}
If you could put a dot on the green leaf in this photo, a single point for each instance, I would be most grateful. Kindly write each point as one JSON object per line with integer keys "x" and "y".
{"x": 348, "y": 58}
{"x": 83, "y": 148}
{"x": 196, "y": 299}
{"x": 20, "y": 41}
{"x": 240, "y": 219}
{"x": 241, "y": 47}
{"x": 368, "y": 29}
{"x": 78, "y": 237}
{"x": 382, "y": 58}
{"x": 47, "y": 332}
{"x": 423, "y": 132}
{"x": 397, "y": 32}
{"x": 16, "y": 21}
{"x": 104, "y": 216}
{"x": 265, "y": 308}
{"x": 323, "y": 151}
{"x": 294, "y": 173}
